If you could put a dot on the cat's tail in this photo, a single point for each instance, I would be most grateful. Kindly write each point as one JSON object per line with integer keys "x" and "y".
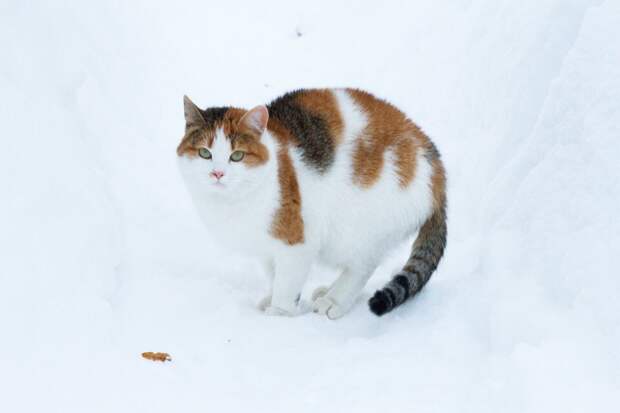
{"x": 426, "y": 252}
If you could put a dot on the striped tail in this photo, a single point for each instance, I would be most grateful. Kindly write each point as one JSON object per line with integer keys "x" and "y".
{"x": 426, "y": 252}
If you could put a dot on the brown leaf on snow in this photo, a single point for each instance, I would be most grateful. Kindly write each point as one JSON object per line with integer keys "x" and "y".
{"x": 149, "y": 355}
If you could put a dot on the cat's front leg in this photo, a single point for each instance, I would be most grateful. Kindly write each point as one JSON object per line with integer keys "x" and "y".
{"x": 292, "y": 266}
{"x": 269, "y": 269}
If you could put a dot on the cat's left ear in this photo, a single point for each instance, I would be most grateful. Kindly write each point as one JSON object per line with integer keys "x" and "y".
{"x": 256, "y": 119}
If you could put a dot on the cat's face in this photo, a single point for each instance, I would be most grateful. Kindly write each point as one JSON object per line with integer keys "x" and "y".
{"x": 221, "y": 153}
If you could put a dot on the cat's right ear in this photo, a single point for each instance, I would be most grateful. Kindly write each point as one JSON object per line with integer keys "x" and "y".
{"x": 192, "y": 113}
{"x": 256, "y": 119}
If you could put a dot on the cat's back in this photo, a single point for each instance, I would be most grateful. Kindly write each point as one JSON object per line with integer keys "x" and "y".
{"x": 320, "y": 123}
{"x": 350, "y": 129}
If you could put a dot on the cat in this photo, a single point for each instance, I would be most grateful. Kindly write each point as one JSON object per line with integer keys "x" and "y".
{"x": 334, "y": 175}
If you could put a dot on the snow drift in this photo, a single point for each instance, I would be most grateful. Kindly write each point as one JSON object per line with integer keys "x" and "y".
{"x": 103, "y": 257}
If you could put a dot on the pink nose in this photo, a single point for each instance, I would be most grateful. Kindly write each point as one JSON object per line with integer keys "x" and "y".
{"x": 217, "y": 174}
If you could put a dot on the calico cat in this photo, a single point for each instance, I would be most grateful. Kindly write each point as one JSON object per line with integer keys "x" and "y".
{"x": 335, "y": 175}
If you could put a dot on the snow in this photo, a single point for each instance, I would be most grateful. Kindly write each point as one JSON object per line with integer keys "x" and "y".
{"x": 104, "y": 258}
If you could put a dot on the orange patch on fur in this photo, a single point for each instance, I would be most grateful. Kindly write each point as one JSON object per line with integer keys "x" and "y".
{"x": 194, "y": 139}
{"x": 387, "y": 129}
{"x": 255, "y": 152}
{"x": 323, "y": 103}
{"x": 288, "y": 224}
{"x": 405, "y": 161}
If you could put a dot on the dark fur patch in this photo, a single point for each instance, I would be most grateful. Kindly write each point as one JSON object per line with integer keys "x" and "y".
{"x": 213, "y": 115}
{"x": 309, "y": 131}
{"x": 403, "y": 281}
{"x": 379, "y": 303}
{"x": 432, "y": 154}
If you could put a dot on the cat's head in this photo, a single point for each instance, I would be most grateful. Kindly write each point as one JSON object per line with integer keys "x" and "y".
{"x": 222, "y": 150}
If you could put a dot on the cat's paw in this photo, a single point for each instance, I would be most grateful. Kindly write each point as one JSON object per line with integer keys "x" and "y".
{"x": 264, "y": 303}
{"x": 319, "y": 292}
{"x": 325, "y": 305}
{"x": 277, "y": 311}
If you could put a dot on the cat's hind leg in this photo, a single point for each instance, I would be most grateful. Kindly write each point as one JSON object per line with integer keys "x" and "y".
{"x": 340, "y": 297}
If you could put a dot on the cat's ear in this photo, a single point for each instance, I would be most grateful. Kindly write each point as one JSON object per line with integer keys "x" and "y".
{"x": 256, "y": 119}
{"x": 192, "y": 113}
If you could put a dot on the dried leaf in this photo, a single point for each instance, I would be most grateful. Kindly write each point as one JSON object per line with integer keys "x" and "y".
{"x": 149, "y": 355}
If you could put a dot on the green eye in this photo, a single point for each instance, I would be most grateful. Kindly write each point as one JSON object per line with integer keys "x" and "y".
{"x": 204, "y": 153}
{"x": 236, "y": 156}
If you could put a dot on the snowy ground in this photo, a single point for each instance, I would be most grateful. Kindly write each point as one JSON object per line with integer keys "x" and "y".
{"x": 103, "y": 258}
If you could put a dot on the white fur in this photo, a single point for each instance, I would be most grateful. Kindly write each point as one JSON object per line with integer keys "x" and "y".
{"x": 345, "y": 226}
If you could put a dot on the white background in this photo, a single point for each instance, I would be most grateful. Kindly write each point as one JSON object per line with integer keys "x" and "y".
{"x": 102, "y": 256}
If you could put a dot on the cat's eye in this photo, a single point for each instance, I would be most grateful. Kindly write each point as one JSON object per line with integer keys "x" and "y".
{"x": 204, "y": 153}
{"x": 236, "y": 156}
